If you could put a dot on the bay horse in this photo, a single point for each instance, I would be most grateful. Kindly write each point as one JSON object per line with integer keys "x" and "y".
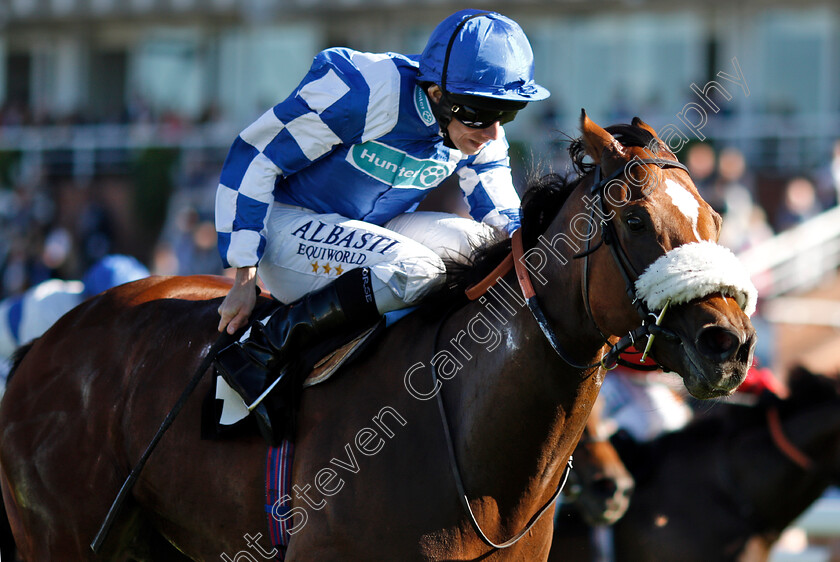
{"x": 378, "y": 448}
{"x": 603, "y": 483}
{"x": 750, "y": 476}
{"x": 599, "y": 492}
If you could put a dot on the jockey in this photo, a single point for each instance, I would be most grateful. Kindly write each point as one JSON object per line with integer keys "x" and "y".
{"x": 648, "y": 404}
{"x": 317, "y": 194}
{"x": 27, "y": 316}
{"x": 643, "y": 404}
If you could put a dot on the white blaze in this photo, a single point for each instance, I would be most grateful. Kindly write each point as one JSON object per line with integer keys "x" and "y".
{"x": 685, "y": 202}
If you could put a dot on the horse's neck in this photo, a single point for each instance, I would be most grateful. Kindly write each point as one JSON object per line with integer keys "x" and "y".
{"x": 517, "y": 412}
{"x": 781, "y": 490}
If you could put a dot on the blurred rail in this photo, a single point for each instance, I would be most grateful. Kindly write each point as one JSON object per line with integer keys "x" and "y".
{"x": 798, "y": 259}
{"x": 81, "y": 150}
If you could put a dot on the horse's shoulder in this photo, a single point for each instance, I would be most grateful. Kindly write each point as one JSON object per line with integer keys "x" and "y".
{"x": 157, "y": 287}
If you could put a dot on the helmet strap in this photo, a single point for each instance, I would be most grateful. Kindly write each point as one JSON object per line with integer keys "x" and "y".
{"x": 441, "y": 111}
{"x": 443, "y": 114}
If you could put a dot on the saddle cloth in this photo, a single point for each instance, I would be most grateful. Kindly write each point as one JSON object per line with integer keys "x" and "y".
{"x": 278, "y": 496}
{"x": 280, "y": 459}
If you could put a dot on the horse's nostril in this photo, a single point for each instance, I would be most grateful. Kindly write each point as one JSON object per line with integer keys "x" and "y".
{"x": 745, "y": 352}
{"x": 605, "y": 487}
{"x": 717, "y": 343}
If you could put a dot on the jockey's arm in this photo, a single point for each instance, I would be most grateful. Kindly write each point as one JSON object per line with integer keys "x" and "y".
{"x": 272, "y": 147}
{"x": 240, "y": 301}
{"x": 487, "y": 185}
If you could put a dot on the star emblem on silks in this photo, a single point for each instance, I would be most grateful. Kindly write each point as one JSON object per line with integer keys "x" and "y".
{"x": 338, "y": 270}
{"x": 327, "y": 268}
{"x": 315, "y": 266}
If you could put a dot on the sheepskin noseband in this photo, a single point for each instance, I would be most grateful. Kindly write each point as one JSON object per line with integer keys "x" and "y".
{"x": 695, "y": 270}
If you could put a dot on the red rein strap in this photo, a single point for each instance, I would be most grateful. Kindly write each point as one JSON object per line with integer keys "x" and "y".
{"x": 512, "y": 260}
{"x": 517, "y": 251}
{"x": 473, "y": 292}
{"x": 783, "y": 443}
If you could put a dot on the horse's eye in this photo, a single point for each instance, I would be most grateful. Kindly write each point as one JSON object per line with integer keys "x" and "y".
{"x": 635, "y": 223}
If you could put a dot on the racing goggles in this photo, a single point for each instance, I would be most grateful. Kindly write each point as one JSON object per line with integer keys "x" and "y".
{"x": 477, "y": 118}
{"x": 479, "y": 113}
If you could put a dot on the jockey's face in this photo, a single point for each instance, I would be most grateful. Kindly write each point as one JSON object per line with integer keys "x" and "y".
{"x": 467, "y": 139}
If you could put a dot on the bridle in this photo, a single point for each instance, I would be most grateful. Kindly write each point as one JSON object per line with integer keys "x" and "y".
{"x": 673, "y": 276}
{"x": 608, "y": 237}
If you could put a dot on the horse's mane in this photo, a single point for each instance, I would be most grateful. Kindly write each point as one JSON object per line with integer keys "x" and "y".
{"x": 543, "y": 199}
{"x": 540, "y": 204}
{"x": 17, "y": 357}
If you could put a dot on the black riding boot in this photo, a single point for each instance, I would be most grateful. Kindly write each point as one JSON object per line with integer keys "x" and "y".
{"x": 251, "y": 365}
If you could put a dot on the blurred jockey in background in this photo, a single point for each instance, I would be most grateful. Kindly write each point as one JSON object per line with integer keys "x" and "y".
{"x": 27, "y": 316}
{"x": 643, "y": 404}
{"x": 646, "y": 405}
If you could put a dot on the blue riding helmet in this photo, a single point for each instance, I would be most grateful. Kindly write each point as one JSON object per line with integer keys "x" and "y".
{"x": 479, "y": 53}
{"x": 111, "y": 271}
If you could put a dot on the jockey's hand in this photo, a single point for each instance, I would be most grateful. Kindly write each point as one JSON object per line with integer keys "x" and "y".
{"x": 240, "y": 300}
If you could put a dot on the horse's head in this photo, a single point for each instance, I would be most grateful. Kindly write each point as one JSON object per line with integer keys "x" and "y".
{"x": 647, "y": 254}
{"x": 605, "y": 485}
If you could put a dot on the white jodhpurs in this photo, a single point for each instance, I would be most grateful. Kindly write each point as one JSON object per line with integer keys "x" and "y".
{"x": 307, "y": 250}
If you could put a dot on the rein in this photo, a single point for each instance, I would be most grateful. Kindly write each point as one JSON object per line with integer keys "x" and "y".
{"x": 780, "y": 440}
{"x": 512, "y": 260}
{"x": 462, "y": 494}
{"x": 116, "y": 507}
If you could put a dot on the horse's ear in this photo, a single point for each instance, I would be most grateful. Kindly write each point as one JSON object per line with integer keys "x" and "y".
{"x": 598, "y": 143}
{"x": 642, "y": 125}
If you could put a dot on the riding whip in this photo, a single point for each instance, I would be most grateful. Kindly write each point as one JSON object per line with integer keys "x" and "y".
{"x": 127, "y": 486}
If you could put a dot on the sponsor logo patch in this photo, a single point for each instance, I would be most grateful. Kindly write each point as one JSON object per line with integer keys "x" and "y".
{"x": 424, "y": 108}
{"x": 397, "y": 168}
{"x": 330, "y": 249}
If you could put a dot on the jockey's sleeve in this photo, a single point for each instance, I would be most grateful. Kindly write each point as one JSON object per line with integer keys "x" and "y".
{"x": 487, "y": 186}
{"x": 332, "y": 105}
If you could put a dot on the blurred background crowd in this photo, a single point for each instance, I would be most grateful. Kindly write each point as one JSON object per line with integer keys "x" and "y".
{"x": 116, "y": 117}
